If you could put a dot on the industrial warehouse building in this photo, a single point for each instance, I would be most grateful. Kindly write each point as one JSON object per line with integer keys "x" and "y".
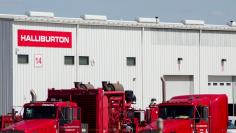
{"x": 39, "y": 51}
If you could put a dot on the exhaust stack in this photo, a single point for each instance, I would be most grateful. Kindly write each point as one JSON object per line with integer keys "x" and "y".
{"x": 163, "y": 89}
{"x": 33, "y": 96}
{"x": 77, "y": 85}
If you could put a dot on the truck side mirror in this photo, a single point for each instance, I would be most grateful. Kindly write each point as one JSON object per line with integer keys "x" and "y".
{"x": 205, "y": 113}
{"x": 201, "y": 114}
{"x": 69, "y": 115}
{"x": 198, "y": 114}
{"x": 66, "y": 115}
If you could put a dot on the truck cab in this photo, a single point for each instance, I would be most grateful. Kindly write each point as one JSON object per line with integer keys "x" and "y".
{"x": 192, "y": 113}
{"x": 48, "y": 117}
{"x": 184, "y": 116}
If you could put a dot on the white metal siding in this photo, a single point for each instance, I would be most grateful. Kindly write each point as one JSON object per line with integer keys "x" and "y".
{"x": 53, "y": 72}
{"x": 216, "y": 45}
{"x": 107, "y": 48}
{"x": 161, "y": 49}
{"x": 5, "y": 66}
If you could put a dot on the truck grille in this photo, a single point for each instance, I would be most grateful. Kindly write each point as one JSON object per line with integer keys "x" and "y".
{"x": 12, "y": 131}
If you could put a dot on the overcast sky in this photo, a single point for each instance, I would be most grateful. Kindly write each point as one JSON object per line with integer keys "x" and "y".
{"x": 212, "y": 11}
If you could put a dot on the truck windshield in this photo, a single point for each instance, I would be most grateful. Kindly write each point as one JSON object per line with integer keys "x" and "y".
{"x": 173, "y": 112}
{"x": 39, "y": 112}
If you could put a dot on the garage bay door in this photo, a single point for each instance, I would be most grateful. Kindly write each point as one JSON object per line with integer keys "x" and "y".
{"x": 178, "y": 85}
{"x": 221, "y": 85}
{"x": 224, "y": 85}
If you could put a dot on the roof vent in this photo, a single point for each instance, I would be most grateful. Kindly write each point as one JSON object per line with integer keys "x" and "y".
{"x": 94, "y": 17}
{"x": 40, "y": 14}
{"x": 193, "y": 22}
{"x": 148, "y": 20}
{"x": 232, "y": 23}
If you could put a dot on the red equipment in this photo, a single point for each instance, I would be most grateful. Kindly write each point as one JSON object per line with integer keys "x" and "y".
{"x": 84, "y": 109}
{"x": 7, "y": 120}
{"x": 193, "y": 113}
{"x": 109, "y": 110}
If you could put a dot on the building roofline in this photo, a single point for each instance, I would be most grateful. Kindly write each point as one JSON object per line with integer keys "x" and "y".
{"x": 122, "y": 23}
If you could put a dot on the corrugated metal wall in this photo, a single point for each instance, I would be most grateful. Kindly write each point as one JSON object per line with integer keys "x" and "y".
{"x": 215, "y": 46}
{"x": 107, "y": 48}
{"x": 5, "y": 66}
{"x": 161, "y": 50}
{"x": 53, "y": 73}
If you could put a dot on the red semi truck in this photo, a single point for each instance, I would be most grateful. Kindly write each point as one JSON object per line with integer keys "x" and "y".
{"x": 48, "y": 117}
{"x": 206, "y": 113}
{"x": 84, "y": 109}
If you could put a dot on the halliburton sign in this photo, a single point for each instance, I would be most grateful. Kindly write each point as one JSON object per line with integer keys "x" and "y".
{"x": 40, "y": 38}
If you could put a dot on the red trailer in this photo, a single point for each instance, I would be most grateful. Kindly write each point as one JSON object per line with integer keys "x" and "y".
{"x": 84, "y": 109}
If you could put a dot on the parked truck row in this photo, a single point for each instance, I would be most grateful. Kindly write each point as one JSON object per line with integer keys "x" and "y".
{"x": 110, "y": 110}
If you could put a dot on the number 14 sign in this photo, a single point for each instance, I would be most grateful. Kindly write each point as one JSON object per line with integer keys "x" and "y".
{"x": 38, "y": 60}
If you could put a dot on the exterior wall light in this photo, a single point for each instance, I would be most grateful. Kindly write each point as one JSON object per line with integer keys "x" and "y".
{"x": 223, "y": 64}
{"x": 179, "y": 62}
{"x": 223, "y": 60}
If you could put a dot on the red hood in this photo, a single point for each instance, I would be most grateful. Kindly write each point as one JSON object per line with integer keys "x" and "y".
{"x": 32, "y": 125}
{"x": 171, "y": 125}
{"x": 177, "y": 125}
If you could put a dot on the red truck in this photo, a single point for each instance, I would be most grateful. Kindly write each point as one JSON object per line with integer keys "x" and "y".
{"x": 48, "y": 117}
{"x": 84, "y": 109}
{"x": 206, "y": 113}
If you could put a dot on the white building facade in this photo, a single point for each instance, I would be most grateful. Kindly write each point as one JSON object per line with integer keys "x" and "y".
{"x": 41, "y": 52}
